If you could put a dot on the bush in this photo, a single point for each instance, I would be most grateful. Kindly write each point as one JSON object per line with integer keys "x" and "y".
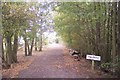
{"x": 106, "y": 67}
{"x": 110, "y": 67}
{"x": 117, "y": 66}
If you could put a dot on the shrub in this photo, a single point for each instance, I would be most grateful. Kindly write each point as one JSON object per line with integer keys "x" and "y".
{"x": 117, "y": 66}
{"x": 106, "y": 67}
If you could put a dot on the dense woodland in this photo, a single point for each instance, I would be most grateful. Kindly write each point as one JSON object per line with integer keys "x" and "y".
{"x": 92, "y": 28}
{"x": 89, "y": 27}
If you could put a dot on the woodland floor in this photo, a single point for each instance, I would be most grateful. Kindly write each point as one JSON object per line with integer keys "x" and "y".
{"x": 53, "y": 62}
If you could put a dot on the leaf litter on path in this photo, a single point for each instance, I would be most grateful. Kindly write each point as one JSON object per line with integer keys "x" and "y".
{"x": 82, "y": 67}
{"x": 23, "y": 63}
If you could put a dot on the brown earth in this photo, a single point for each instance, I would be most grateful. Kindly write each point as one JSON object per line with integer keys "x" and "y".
{"x": 53, "y": 62}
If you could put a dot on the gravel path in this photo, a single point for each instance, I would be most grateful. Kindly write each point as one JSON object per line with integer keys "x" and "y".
{"x": 54, "y": 63}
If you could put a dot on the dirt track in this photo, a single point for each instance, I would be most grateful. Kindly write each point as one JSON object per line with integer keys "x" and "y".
{"x": 55, "y": 62}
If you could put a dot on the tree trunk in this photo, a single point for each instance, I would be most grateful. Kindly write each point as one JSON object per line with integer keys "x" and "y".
{"x": 3, "y": 58}
{"x": 118, "y": 40}
{"x": 36, "y": 44}
{"x": 1, "y": 48}
{"x": 9, "y": 51}
{"x": 40, "y": 49}
{"x": 31, "y": 48}
{"x": 26, "y": 44}
{"x": 4, "y": 62}
{"x": 114, "y": 34}
{"x": 98, "y": 30}
{"x": 15, "y": 48}
{"x": 107, "y": 55}
{"x": 28, "y": 49}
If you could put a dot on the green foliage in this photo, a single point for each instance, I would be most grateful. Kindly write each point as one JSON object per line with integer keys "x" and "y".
{"x": 17, "y": 19}
{"x": 90, "y": 28}
{"x": 110, "y": 67}
{"x": 117, "y": 60}
{"x": 106, "y": 67}
{"x": 73, "y": 23}
{"x": 117, "y": 66}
